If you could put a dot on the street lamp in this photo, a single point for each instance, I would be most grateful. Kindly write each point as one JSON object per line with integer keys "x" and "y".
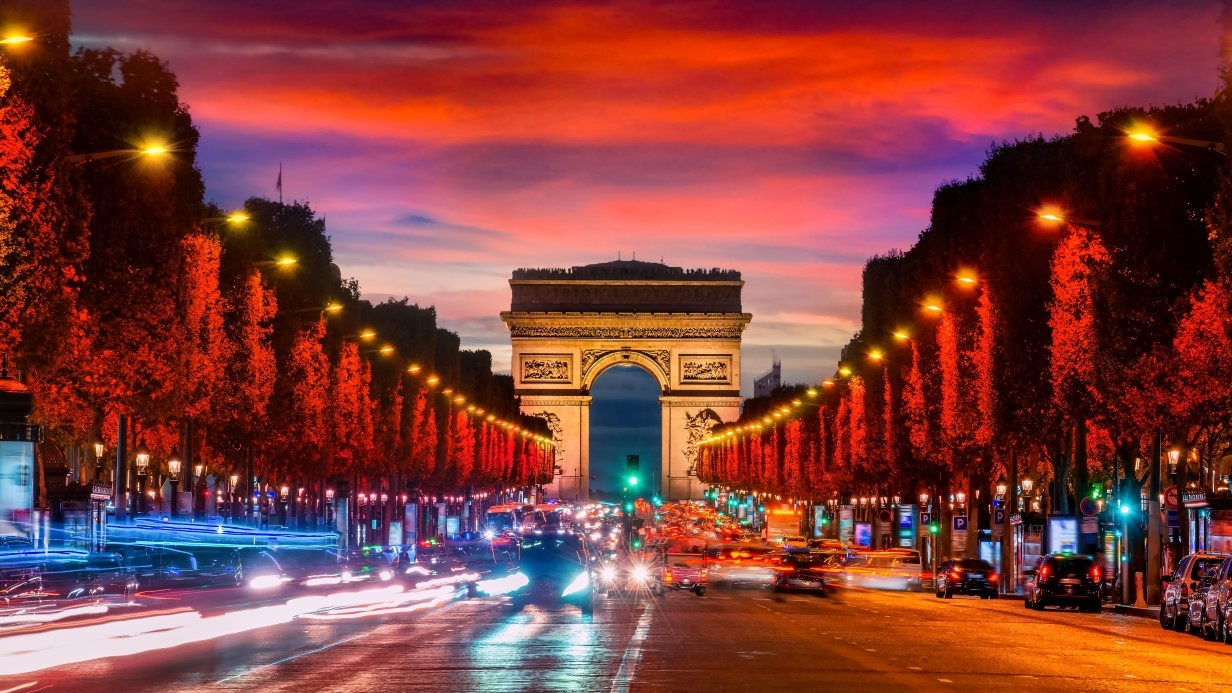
{"x": 154, "y": 150}
{"x": 1058, "y": 216}
{"x": 99, "y": 449}
{"x": 173, "y": 469}
{"x": 1174, "y": 458}
{"x": 142, "y": 456}
{"x": 1148, "y": 137}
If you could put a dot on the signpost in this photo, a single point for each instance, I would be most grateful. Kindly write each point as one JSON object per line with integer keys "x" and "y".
{"x": 958, "y": 538}
{"x": 1171, "y": 497}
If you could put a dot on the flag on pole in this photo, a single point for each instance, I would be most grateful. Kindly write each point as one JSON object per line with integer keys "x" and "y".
{"x": 279, "y": 183}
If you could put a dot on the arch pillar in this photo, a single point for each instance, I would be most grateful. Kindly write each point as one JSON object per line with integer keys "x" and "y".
{"x": 568, "y": 418}
{"x": 686, "y": 420}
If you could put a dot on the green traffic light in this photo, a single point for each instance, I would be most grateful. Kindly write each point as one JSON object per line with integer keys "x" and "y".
{"x": 933, "y": 528}
{"x": 633, "y": 481}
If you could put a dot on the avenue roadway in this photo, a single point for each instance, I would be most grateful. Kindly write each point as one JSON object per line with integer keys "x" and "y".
{"x": 724, "y": 641}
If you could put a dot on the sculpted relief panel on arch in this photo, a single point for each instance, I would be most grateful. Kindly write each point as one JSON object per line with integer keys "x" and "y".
{"x": 546, "y": 368}
{"x": 705, "y": 369}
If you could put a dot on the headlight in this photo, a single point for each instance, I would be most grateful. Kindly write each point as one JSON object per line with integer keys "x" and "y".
{"x": 387, "y": 574}
{"x": 488, "y": 534}
{"x": 640, "y": 574}
{"x": 609, "y": 573}
{"x": 579, "y": 583}
{"x": 503, "y": 585}
{"x": 262, "y": 582}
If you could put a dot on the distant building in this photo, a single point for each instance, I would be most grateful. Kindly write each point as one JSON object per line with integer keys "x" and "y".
{"x": 768, "y": 383}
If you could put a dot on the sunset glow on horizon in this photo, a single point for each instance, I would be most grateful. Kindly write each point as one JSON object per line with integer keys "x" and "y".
{"x": 448, "y": 144}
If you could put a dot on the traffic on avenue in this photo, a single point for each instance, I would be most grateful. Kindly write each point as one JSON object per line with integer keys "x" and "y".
{"x": 591, "y": 596}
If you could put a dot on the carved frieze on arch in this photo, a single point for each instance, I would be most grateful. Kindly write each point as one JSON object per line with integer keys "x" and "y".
{"x": 656, "y": 362}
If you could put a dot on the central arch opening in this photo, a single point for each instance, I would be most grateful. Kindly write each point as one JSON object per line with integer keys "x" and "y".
{"x": 625, "y": 419}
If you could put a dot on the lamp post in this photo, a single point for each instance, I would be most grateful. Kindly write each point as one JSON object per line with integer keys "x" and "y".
{"x": 329, "y": 507}
{"x": 173, "y": 469}
{"x": 231, "y": 499}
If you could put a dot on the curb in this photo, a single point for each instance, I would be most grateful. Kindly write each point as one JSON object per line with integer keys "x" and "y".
{"x": 1147, "y": 612}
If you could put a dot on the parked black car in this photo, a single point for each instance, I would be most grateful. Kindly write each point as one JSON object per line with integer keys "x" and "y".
{"x": 160, "y": 567}
{"x": 966, "y": 576}
{"x": 1065, "y": 580}
{"x": 64, "y": 575}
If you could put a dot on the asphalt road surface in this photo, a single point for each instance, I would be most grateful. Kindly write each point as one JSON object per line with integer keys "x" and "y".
{"x": 724, "y": 641}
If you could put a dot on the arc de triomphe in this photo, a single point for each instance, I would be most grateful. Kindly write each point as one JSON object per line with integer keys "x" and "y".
{"x": 681, "y": 326}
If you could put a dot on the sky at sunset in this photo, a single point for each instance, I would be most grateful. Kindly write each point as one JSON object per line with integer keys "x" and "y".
{"x": 448, "y": 143}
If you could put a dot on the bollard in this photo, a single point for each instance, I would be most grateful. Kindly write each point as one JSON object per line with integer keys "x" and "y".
{"x": 1139, "y": 601}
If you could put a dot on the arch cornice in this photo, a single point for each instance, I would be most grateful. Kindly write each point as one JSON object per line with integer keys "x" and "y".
{"x": 618, "y": 356}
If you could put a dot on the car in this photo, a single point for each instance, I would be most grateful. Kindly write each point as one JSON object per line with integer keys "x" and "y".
{"x": 626, "y": 576}
{"x": 681, "y": 575}
{"x": 883, "y": 570}
{"x": 966, "y": 576}
{"x": 66, "y": 574}
{"x": 795, "y": 541}
{"x": 740, "y": 565}
{"x": 552, "y": 569}
{"x": 1207, "y": 603}
{"x": 804, "y": 572}
{"x": 1064, "y": 580}
{"x": 1174, "y": 603}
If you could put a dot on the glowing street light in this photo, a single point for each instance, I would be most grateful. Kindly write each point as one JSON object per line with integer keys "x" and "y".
{"x": 1058, "y": 216}
{"x": 14, "y": 39}
{"x": 156, "y": 150}
{"x": 1146, "y": 136}
{"x": 901, "y": 335}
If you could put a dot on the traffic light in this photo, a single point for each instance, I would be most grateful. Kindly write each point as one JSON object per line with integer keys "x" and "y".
{"x": 633, "y": 481}
{"x": 637, "y": 543}
{"x": 628, "y": 506}
{"x": 934, "y": 528}
{"x": 825, "y": 520}
{"x": 761, "y": 508}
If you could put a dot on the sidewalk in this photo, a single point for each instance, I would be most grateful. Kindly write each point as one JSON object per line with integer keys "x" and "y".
{"x": 1141, "y": 612}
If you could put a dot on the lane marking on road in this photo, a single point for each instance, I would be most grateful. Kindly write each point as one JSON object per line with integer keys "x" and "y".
{"x": 296, "y": 656}
{"x": 22, "y": 687}
{"x": 915, "y": 668}
{"x": 633, "y": 652}
{"x": 945, "y": 681}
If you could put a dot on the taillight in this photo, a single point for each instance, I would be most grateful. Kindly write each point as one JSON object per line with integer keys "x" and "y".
{"x": 955, "y": 575}
{"x": 993, "y": 577}
{"x": 1095, "y": 573}
{"x": 704, "y": 576}
{"x": 1043, "y": 573}
{"x": 667, "y": 576}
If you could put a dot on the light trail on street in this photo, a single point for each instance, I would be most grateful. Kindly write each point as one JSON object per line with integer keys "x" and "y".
{"x": 727, "y": 640}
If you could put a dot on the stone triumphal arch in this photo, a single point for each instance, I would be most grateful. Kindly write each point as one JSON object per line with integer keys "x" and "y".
{"x": 682, "y": 326}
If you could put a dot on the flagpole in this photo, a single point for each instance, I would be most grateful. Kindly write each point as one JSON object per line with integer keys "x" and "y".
{"x": 279, "y": 184}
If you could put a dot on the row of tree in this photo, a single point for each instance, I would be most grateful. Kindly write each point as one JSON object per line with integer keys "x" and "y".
{"x": 1000, "y": 340}
{"x": 122, "y": 292}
